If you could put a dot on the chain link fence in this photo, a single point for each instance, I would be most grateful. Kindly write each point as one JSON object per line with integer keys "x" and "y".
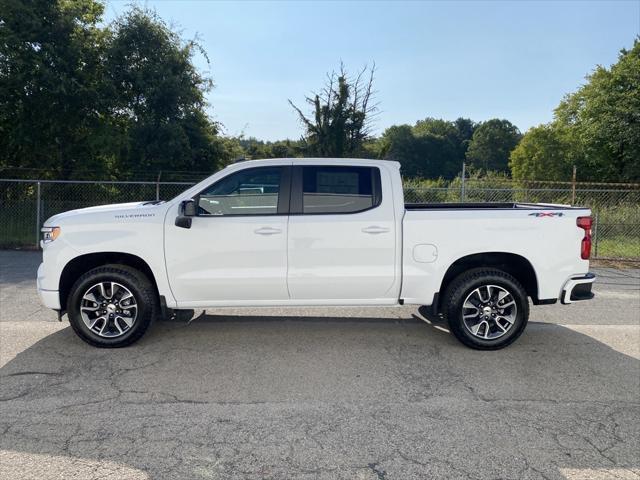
{"x": 26, "y": 204}
{"x": 615, "y": 207}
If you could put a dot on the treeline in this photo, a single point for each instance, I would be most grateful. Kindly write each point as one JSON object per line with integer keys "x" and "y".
{"x": 596, "y": 129}
{"x": 79, "y": 99}
{"x": 431, "y": 148}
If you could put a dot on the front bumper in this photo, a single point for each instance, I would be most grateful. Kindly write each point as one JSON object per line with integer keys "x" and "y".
{"x": 49, "y": 298}
{"x": 578, "y": 288}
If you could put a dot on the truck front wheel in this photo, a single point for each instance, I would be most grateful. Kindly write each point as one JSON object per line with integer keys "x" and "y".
{"x": 111, "y": 306}
{"x": 486, "y": 308}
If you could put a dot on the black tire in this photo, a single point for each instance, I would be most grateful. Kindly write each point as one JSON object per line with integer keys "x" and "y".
{"x": 463, "y": 286}
{"x": 139, "y": 286}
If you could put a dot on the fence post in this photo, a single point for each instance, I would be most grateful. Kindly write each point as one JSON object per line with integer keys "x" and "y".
{"x": 573, "y": 186}
{"x": 38, "y": 214}
{"x": 158, "y": 186}
{"x": 595, "y": 235}
{"x": 462, "y": 184}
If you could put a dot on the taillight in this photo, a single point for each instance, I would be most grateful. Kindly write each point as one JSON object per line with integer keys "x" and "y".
{"x": 585, "y": 247}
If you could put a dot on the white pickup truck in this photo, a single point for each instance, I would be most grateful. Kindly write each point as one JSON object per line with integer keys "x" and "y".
{"x": 302, "y": 232}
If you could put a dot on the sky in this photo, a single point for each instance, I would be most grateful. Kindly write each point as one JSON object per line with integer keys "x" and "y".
{"x": 474, "y": 59}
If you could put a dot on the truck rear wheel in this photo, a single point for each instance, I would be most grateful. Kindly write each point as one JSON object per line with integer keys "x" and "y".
{"x": 487, "y": 309}
{"x": 111, "y": 306}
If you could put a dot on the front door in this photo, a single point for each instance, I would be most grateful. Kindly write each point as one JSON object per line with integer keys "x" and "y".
{"x": 236, "y": 248}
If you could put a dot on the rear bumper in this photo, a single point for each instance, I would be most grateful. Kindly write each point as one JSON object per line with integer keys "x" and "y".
{"x": 578, "y": 288}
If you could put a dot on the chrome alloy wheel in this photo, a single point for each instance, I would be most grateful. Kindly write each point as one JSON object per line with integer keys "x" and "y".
{"x": 489, "y": 312}
{"x": 109, "y": 309}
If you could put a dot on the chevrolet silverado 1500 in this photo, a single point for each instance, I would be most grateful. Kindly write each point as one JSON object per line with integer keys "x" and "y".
{"x": 309, "y": 232}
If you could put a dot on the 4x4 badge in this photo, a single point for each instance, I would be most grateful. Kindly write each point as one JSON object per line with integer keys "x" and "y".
{"x": 546, "y": 214}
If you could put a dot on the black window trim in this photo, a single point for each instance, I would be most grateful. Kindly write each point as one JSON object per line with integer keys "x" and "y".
{"x": 296, "y": 206}
{"x": 284, "y": 194}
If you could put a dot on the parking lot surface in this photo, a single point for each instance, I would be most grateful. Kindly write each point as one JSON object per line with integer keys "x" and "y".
{"x": 321, "y": 394}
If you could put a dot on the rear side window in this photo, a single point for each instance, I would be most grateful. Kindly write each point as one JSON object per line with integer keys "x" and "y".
{"x": 329, "y": 189}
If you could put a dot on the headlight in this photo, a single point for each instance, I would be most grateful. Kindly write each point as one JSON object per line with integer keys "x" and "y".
{"x": 49, "y": 234}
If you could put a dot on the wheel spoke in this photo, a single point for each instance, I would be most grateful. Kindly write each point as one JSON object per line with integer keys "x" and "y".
{"x": 117, "y": 325}
{"x": 476, "y": 329}
{"x": 474, "y": 314}
{"x": 106, "y": 321}
{"x": 126, "y": 320}
{"x": 481, "y": 297}
{"x": 114, "y": 289}
{"x": 93, "y": 323}
{"x": 506, "y": 319}
{"x": 90, "y": 296}
{"x": 470, "y": 304}
{"x": 490, "y": 293}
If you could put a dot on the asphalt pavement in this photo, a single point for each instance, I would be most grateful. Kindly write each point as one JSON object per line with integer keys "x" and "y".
{"x": 340, "y": 393}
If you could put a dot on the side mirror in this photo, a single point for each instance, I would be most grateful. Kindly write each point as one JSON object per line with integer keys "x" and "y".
{"x": 189, "y": 208}
{"x": 187, "y": 211}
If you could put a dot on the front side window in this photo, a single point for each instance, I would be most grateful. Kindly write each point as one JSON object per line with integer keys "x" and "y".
{"x": 248, "y": 192}
{"x": 329, "y": 189}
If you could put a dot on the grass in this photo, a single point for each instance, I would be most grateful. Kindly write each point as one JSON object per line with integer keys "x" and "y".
{"x": 618, "y": 247}
{"x": 18, "y": 225}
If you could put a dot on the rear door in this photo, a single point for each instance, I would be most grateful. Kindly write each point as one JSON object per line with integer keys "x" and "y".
{"x": 342, "y": 239}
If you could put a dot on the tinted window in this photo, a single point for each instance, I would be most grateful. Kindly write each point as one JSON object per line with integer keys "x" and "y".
{"x": 338, "y": 189}
{"x": 248, "y": 192}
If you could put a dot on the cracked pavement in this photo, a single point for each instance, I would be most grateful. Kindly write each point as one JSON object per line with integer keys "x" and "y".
{"x": 321, "y": 394}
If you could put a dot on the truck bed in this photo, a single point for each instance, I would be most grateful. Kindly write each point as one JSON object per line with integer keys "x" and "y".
{"x": 487, "y": 206}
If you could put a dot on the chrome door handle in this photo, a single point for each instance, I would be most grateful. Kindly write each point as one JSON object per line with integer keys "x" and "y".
{"x": 267, "y": 231}
{"x": 374, "y": 230}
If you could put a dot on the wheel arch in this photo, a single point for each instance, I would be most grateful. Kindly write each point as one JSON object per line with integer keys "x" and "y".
{"x": 83, "y": 263}
{"x": 511, "y": 263}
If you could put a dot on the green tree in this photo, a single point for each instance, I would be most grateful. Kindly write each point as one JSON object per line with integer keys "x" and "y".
{"x": 435, "y": 126}
{"x": 421, "y": 155}
{"x": 440, "y": 147}
{"x": 400, "y": 144}
{"x": 464, "y": 131}
{"x": 491, "y": 145}
{"x": 50, "y": 76}
{"x": 159, "y": 106}
{"x": 596, "y": 128}
{"x": 544, "y": 153}
{"x": 341, "y": 115}
{"x": 432, "y": 148}
{"x": 78, "y": 99}
{"x": 255, "y": 148}
{"x": 604, "y": 118}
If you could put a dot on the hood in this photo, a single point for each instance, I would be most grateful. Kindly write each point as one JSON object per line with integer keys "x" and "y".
{"x": 132, "y": 208}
